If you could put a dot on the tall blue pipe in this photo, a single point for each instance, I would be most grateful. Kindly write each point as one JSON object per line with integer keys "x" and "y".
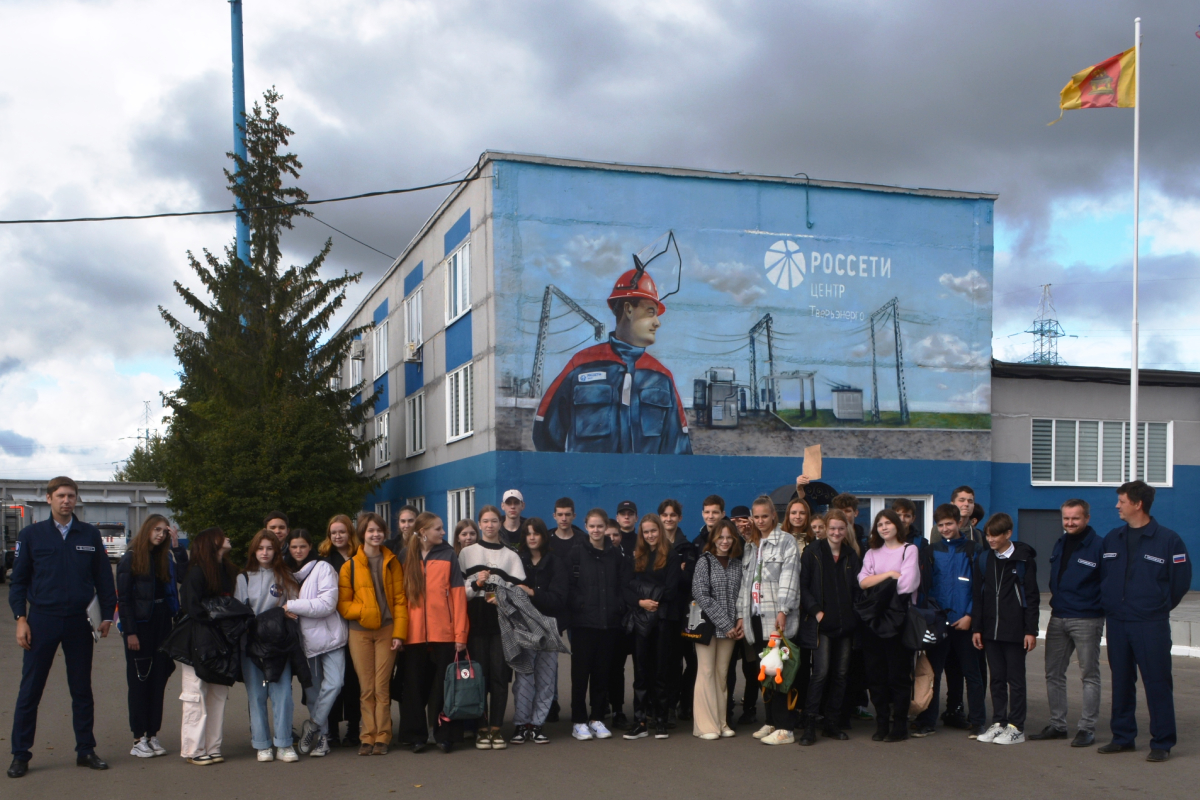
{"x": 239, "y": 120}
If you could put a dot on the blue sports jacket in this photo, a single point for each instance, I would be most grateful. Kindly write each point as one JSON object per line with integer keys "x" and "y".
{"x": 1076, "y": 595}
{"x": 1162, "y": 574}
{"x": 949, "y": 576}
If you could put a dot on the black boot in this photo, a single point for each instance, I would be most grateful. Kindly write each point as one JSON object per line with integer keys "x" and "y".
{"x": 882, "y": 723}
{"x": 899, "y": 723}
{"x": 832, "y": 731}
{"x": 809, "y": 737}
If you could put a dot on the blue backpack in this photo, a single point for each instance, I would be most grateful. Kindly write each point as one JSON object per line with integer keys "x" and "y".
{"x": 464, "y": 690}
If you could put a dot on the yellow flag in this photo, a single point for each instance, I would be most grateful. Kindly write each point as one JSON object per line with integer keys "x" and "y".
{"x": 1109, "y": 84}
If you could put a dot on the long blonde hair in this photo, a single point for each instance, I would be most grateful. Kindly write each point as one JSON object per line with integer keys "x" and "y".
{"x": 414, "y": 567}
{"x": 641, "y": 551}
{"x": 326, "y": 546}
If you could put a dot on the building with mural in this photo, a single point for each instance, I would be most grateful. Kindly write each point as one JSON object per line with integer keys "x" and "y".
{"x": 611, "y": 331}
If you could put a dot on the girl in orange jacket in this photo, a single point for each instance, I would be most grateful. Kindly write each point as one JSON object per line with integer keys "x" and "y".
{"x": 438, "y": 628}
{"x": 371, "y": 597}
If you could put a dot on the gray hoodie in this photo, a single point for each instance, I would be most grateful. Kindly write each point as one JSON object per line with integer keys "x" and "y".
{"x": 259, "y": 590}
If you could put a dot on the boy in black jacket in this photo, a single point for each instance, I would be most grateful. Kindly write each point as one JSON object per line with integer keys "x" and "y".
{"x": 1005, "y": 626}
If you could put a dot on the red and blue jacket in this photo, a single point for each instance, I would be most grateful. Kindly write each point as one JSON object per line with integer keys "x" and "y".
{"x": 612, "y": 398}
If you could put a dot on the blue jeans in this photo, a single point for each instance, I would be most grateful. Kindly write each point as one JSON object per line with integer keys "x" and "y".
{"x": 328, "y": 673}
{"x": 280, "y": 694}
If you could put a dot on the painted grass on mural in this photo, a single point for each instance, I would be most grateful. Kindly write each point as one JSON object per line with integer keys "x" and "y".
{"x": 891, "y": 419}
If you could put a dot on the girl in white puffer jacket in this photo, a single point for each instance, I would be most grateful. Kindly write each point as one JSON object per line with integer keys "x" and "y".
{"x": 325, "y": 634}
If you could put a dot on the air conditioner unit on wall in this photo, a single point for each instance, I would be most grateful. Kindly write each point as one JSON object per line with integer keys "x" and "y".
{"x": 358, "y": 350}
{"x": 412, "y": 352}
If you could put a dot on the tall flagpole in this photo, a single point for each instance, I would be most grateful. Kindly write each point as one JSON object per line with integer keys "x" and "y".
{"x": 1133, "y": 361}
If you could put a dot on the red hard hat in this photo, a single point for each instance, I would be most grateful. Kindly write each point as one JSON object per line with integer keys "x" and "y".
{"x": 645, "y": 289}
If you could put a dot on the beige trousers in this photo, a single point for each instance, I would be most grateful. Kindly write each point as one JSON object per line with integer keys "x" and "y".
{"x": 373, "y": 657}
{"x": 708, "y": 700}
{"x": 203, "y": 715}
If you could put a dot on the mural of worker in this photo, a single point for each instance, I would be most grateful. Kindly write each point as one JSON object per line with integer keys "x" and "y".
{"x": 615, "y": 397}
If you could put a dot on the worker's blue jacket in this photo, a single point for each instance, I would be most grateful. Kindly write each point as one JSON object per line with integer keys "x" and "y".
{"x": 1162, "y": 574}
{"x": 612, "y": 398}
{"x": 59, "y": 577}
{"x": 1076, "y": 595}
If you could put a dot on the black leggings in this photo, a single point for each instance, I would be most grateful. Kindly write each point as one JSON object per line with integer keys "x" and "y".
{"x": 488, "y": 650}
{"x": 424, "y": 690}
{"x": 591, "y": 657}
{"x": 652, "y": 665}
{"x": 889, "y": 678}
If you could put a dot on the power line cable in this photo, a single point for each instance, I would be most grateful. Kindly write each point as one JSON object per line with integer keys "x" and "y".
{"x": 212, "y": 212}
{"x": 351, "y": 238}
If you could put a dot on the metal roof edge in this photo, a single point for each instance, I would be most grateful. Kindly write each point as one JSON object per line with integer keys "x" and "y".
{"x": 1071, "y": 374}
{"x": 691, "y": 172}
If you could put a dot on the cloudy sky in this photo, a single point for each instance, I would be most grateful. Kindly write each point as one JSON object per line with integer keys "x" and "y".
{"x": 124, "y": 107}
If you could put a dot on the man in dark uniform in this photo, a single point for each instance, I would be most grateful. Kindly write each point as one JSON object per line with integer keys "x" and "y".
{"x": 60, "y": 566}
{"x": 615, "y": 397}
{"x": 1145, "y": 572}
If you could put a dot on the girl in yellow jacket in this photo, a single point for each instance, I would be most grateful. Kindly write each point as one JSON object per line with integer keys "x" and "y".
{"x": 371, "y": 598}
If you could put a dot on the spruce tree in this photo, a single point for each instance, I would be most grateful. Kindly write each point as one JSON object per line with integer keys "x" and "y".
{"x": 258, "y": 421}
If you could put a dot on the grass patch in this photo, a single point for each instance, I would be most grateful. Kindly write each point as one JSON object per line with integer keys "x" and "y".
{"x": 891, "y": 419}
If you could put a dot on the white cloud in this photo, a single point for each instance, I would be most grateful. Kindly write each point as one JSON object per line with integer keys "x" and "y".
{"x": 741, "y": 282}
{"x": 972, "y": 285}
{"x": 947, "y": 351}
{"x": 978, "y": 400}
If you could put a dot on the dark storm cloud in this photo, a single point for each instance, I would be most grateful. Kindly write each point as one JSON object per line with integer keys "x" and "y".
{"x": 920, "y": 93}
{"x": 14, "y": 444}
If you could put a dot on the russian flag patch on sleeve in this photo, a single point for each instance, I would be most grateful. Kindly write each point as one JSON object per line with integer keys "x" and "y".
{"x": 1179, "y": 558}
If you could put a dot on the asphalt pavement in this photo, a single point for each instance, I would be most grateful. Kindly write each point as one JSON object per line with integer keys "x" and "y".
{"x": 946, "y": 764}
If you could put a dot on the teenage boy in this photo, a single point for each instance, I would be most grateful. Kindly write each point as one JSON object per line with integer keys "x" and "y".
{"x": 627, "y": 517}
{"x": 713, "y": 511}
{"x": 964, "y": 498}
{"x": 60, "y": 566}
{"x": 1076, "y": 623}
{"x": 511, "y": 530}
{"x": 948, "y": 579}
{"x": 277, "y": 523}
{"x": 740, "y": 515}
{"x": 1144, "y": 573}
{"x": 848, "y": 504}
{"x": 906, "y": 510}
{"x": 566, "y": 534}
{"x": 1006, "y": 625}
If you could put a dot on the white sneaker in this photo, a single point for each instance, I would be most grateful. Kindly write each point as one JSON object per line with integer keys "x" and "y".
{"x": 710, "y": 736}
{"x": 142, "y": 749}
{"x": 1010, "y": 735}
{"x": 308, "y": 736}
{"x": 266, "y": 755}
{"x": 288, "y": 754}
{"x": 322, "y": 748}
{"x": 728, "y": 732}
{"x": 598, "y": 730}
{"x": 581, "y": 732}
{"x": 991, "y": 733}
{"x": 157, "y": 747}
{"x": 780, "y": 736}
{"x": 763, "y": 732}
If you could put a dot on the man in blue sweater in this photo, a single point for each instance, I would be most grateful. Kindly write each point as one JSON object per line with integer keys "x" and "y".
{"x": 1076, "y": 623}
{"x": 1145, "y": 571}
{"x": 948, "y": 579}
{"x": 60, "y": 566}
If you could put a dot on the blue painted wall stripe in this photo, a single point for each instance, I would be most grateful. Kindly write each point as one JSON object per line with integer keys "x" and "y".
{"x": 381, "y": 394}
{"x": 414, "y": 378}
{"x": 381, "y": 312}
{"x": 413, "y": 279}
{"x": 458, "y": 342}
{"x": 458, "y": 231}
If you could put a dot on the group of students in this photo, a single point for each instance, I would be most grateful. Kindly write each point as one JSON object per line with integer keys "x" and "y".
{"x": 364, "y": 617}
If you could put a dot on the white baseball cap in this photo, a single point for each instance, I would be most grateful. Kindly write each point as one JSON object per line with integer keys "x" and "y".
{"x": 512, "y": 493}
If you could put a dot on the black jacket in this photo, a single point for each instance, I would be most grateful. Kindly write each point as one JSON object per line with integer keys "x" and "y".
{"x": 274, "y": 641}
{"x": 661, "y": 585}
{"x": 686, "y": 553}
{"x": 1006, "y": 595}
{"x": 596, "y": 581}
{"x": 211, "y": 645}
{"x": 562, "y": 547}
{"x": 548, "y": 579}
{"x": 335, "y": 559}
{"x": 829, "y": 587}
{"x": 136, "y": 593}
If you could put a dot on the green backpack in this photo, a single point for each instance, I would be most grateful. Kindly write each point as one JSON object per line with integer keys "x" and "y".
{"x": 464, "y": 690}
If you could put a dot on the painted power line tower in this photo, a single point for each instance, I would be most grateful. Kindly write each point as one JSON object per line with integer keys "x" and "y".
{"x": 539, "y": 352}
{"x": 1047, "y": 330}
{"x": 881, "y": 314}
{"x": 763, "y": 325}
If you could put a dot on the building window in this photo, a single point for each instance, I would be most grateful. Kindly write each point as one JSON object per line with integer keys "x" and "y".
{"x": 383, "y": 451}
{"x": 414, "y": 335}
{"x": 380, "y": 348}
{"x": 415, "y": 438}
{"x": 335, "y": 383}
{"x": 355, "y": 458}
{"x": 1092, "y": 452}
{"x": 460, "y": 504}
{"x": 416, "y": 502}
{"x": 384, "y": 510}
{"x": 460, "y": 390}
{"x": 355, "y": 371}
{"x": 458, "y": 283}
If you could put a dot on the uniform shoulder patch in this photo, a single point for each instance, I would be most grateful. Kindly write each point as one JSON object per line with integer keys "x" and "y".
{"x": 588, "y": 377}
{"x": 1179, "y": 558}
